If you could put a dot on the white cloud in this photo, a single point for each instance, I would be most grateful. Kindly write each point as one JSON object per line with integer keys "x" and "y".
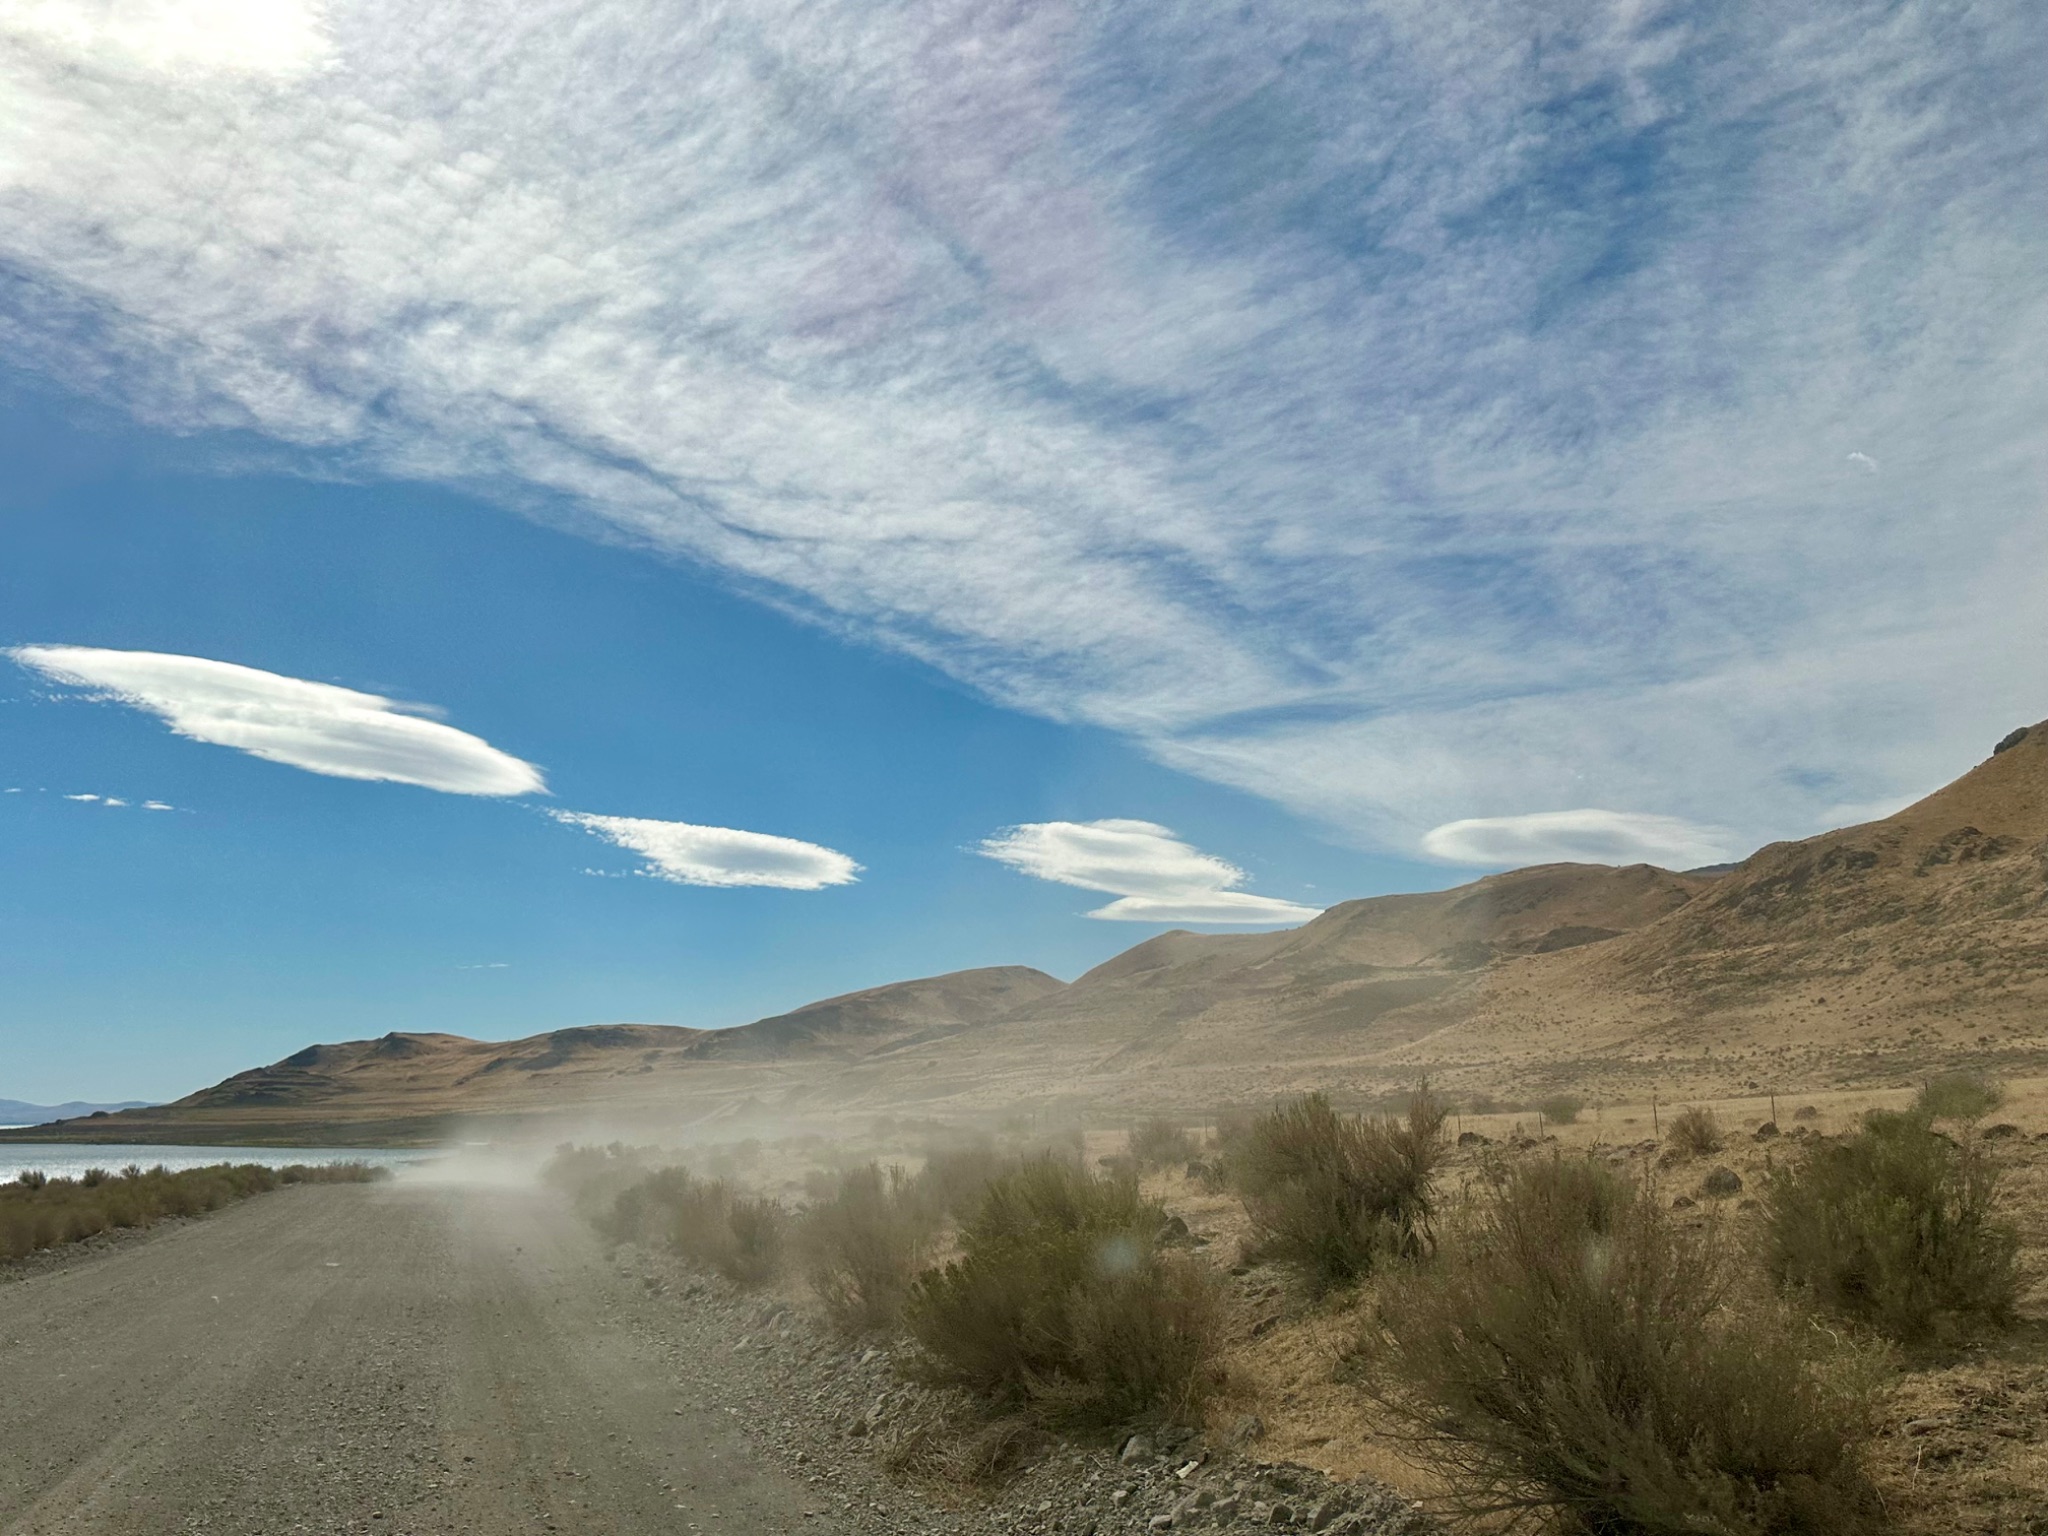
{"x": 251, "y": 37}
{"x": 316, "y": 726}
{"x": 1156, "y": 877}
{"x": 1344, "y": 376}
{"x": 719, "y": 856}
{"x": 1587, "y": 836}
{"x": 157, "y": 805}
{"x": 82, "y": 797}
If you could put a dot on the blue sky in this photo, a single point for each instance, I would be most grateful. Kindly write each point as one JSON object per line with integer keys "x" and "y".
{"x": 906, "y": 479}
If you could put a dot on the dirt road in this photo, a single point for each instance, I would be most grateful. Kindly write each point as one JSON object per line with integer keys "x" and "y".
{"x": 386, "y": 1359}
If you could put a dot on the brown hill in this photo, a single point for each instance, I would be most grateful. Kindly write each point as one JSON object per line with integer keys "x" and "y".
{"x": 404, "y": 1088}
{"x": 1864, "y": 954}
{"x": 1859, "y": 956}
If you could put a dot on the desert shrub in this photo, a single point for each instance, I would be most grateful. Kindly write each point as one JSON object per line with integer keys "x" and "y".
{"x": 1160, "y": 1143}
{"x": 1959, "y": 1096}
{"x": 40, "y": 1212}
{"x": 1062, "y": 1304}
{"x": 1574, "y": 1353}
{"x": 1895, "y": 1227}
{"x": 862, "y": 1246}
{"x": 752, "y": 1252}
{"x": 593, "y": 1178}
{"x": 1561, "y": 1109}
{"x": 708, "y": 1222}
{"x": 1695, "y": 1132}
{"x": 1331, "y": 1193}
{"x": 1806, "y": 1112}
{"x": 717, "y": 1227}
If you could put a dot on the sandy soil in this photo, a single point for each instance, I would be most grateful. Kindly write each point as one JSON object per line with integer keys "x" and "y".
{"x": 386, "y": 1359}
{"x": 1963, "y": 1444}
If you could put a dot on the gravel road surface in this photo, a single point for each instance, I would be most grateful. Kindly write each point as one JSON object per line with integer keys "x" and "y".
{"x": 391, "y": 1359}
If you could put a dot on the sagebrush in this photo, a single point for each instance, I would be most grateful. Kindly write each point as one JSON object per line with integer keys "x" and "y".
{"x": 1575, "y": 1356}
{"x": 38, "y": 1212}
{"x": 1333, "y": 1194}
{"x": 1695, "y": 1132}
{"x": 1063, "y": 1304}
{"x": 862, "y": 1245}
{"x": 1959, "y": 1096}
{"x": 1160, "y": 1143}
{"x": 709, "y": 1222}
{"x": 1897, "y": 1227}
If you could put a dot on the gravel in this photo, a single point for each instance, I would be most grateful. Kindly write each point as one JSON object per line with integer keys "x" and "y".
{"x": 825, "y": 1409}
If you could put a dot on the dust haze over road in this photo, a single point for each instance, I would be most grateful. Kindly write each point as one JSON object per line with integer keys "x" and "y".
{"x": 408, "y": 1359}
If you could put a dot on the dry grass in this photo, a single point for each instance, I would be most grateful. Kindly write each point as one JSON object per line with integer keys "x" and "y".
{"x": 38, "y": 1213}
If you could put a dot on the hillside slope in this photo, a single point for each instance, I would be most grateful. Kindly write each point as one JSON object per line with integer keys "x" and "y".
{"x": 1871, "y": 951}
{"x": 1861, "y": 956}
{"x": 404, "y": 1088}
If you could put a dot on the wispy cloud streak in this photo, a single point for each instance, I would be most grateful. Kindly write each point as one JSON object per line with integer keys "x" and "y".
{"x": 1411, "y": 415}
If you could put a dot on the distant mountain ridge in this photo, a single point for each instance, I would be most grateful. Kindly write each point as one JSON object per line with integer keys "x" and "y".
{"x": 1857, "y": 955}
{"x": 18, "y": 1112}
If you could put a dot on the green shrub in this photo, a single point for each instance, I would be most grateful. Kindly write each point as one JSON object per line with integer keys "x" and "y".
{"x": 1160, "y": 1143}
{"x": 1332, "y": 1194}
{"x": 1959, "y": 1096}
{"x": 1573, "y": 1351}
{"x": 1695, "y": 1132}
{"x": 862, "y": 1246}
{"x": 1561, "y": 1109}
{"x": 1063, "y": 1305}
{"x": 1895, "y": 1227}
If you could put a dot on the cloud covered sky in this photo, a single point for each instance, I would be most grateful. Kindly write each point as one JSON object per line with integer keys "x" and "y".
{"x": 1407, "y": 418}
{"x": 1469, "y": 436}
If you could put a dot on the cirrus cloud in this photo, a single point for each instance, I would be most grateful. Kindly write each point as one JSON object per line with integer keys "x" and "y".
{"x": 319, "y": 727}
{"x": 684, "y": 854}
{"x": 1588, "y": 836}
{"x": 1274, "y": 384}
{"x": 1155, "y": 876}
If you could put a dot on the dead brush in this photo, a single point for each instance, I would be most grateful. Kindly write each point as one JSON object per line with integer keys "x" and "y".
{"x": 1334, "y": 1194}
{"x": 948, "y": 1441}
{"x": 1575, "y": 1358}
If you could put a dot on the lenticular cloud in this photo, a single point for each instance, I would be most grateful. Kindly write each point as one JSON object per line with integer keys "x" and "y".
{"x": 319, "y": 727}
{"x": 684, "y": 854}
{"x": 1155, "y": 877}
{"x": 1589, "y": 836}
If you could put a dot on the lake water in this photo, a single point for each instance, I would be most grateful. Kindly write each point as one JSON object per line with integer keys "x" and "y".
{"x": 67, "y": 1160}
